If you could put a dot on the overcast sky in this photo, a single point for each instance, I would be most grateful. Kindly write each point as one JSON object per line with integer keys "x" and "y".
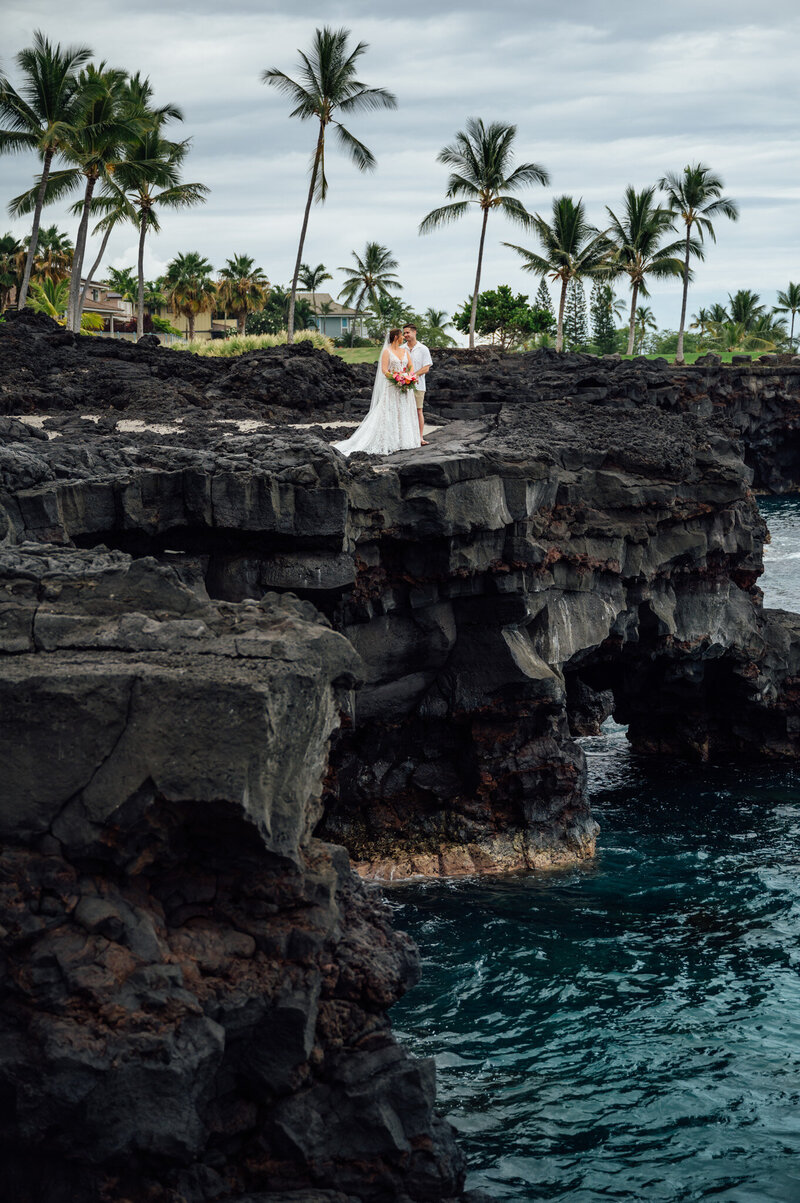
{"x": 602, "y": 95}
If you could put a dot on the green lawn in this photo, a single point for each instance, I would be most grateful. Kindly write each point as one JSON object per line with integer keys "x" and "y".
{"x": 358, "y": 354}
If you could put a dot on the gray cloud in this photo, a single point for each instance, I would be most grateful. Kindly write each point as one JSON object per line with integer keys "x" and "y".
{"x": 602, "y": 98}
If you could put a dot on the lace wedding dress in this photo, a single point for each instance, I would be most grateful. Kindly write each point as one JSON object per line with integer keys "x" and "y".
{"x": 391, "y": 424}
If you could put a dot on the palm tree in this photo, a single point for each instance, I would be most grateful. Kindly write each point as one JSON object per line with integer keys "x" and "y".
{"x": 123, "y": 281}
{"x": 12, "y": 266}
{"x": 311, "y": 278}
{"x": 734, "y": 336}
{"x": 645, "y": 320}
{"x": 243, "y": 288}
{"x": 572, "y": 250}
{"x": 371, "y": 279}
{"x": 638, "y": 251}
{"x": 116, "y": 209}
{"x": 54, "y": 254}
{"x": 188, "y": 287}
{"x": 745, "y": 308}
{"x": 483, "y": 175}
{"x": 327, "y": 83}
{"x": 700, "y": 321}
{"x": 717, "y": 313}
{"x": 49, "y": 296}
{"x": 789, "y": 302}
{"x": 696, "y": 196}
{"x": 154, "y": 296}
{"x": 437, "y": 323}
{"x": 40, "y": 117}
{"x": 93, "y": 149}
{"x": 149, "y": 172}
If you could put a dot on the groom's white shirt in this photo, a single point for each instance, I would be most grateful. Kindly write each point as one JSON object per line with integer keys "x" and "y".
{"x": 420, "y": 358}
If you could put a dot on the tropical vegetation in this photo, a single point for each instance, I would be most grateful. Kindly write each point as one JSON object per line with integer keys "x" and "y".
{"x": 694, "y": 197}
{"x": 483, "y": 174}
{"x": 327, "y": 84}
{"x": 101, "y": 143}
{"x": 505, "y": 318}
{"x": 571, "y": 249}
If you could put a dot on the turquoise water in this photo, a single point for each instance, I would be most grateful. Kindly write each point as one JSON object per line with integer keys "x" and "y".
{"x": 630, "y": 1030}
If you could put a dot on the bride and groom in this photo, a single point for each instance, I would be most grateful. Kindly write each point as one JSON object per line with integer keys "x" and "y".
{"x": 395, "y": 421}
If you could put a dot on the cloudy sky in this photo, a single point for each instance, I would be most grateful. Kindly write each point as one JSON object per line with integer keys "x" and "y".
{"x": 602, "y": 95}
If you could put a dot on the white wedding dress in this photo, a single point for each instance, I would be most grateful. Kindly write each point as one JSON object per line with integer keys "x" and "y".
{"x": 391, "y": 424}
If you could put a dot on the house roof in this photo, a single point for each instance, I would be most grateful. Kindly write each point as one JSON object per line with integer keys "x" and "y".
{"x": 325, "y": 298}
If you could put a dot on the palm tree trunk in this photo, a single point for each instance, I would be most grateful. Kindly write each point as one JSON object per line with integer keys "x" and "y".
{"x": 241, "y": 321}
{"x": 311, "y": 187}
{"x": 474, "y": 312}
{"x": 632, "y": 323}
{"x": 95, "y": 265}
{"x": 679, "y": 351}
{"x": 791, "y": 332}
{"x": 140, "y": 277}
{"x": 190, "y": 320}
{"x": 561, "y": 307}
{"x": 74, "y": 306}
{"x": 37, "y": 217}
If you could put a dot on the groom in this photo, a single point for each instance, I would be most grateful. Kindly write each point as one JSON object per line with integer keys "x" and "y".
{"x": 422, "y": 363}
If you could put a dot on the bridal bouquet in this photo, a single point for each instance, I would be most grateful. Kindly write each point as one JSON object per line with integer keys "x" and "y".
{"x": 402, "y": 380}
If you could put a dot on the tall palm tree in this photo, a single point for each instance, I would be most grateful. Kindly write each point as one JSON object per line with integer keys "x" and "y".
{"x": 188, "y": 287}
{"x": 639, "y": 249}
{"x": 40, "y": 116}
{"x": 372, "y": 279}
{"x": 12, "y": 266}
{"x": 92, "y": 148}
{"x": 327, "y": 84}
{"x": 116, "y": 209}
{"x": 243, "y": 288}
{"x": 571, "y": 250}
{"x": 696, "y": 197}
{"x": 149, "y": 173}
{"x": 483, "y": 174}
{"x": 311, "y": 278}
{"x": 789, "y": 302}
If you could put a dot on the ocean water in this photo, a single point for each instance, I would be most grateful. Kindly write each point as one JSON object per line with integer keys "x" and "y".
{"x": 630, "y": 1030}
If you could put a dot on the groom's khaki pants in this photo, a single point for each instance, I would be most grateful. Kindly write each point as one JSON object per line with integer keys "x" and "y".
{"x": 419, "y": 397}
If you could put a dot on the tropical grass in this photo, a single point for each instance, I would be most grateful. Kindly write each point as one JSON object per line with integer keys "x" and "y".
{"x": 356, "y": 354}
{"x": 224, "y": 348}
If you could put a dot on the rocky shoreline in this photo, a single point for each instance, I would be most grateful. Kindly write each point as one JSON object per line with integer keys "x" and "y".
{"x": 227, "y": 652}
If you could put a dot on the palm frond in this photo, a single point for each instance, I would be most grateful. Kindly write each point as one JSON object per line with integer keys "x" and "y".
{"x": 443, "y": 216}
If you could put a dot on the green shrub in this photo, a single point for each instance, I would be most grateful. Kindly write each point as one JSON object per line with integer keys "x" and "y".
{"x": 238, "y": 344}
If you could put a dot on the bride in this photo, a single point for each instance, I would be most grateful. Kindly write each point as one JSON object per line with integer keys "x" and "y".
{"x": 391, "y": 424}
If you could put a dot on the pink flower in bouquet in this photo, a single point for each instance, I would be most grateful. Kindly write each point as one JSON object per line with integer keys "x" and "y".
{"x": 403, "y": 380}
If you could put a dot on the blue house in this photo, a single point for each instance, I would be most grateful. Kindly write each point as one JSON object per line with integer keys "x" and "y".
{"x": 333, "y": 319}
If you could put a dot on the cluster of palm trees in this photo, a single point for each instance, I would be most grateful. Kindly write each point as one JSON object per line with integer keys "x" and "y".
{"x": 96, "y": 131}
{"x": 638, "y": 243}
{"x": 51, "y": 264}
{"x": 650, "y": 238}
{"x": 745, "y": 323}
{"x": 188, "y": 287}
